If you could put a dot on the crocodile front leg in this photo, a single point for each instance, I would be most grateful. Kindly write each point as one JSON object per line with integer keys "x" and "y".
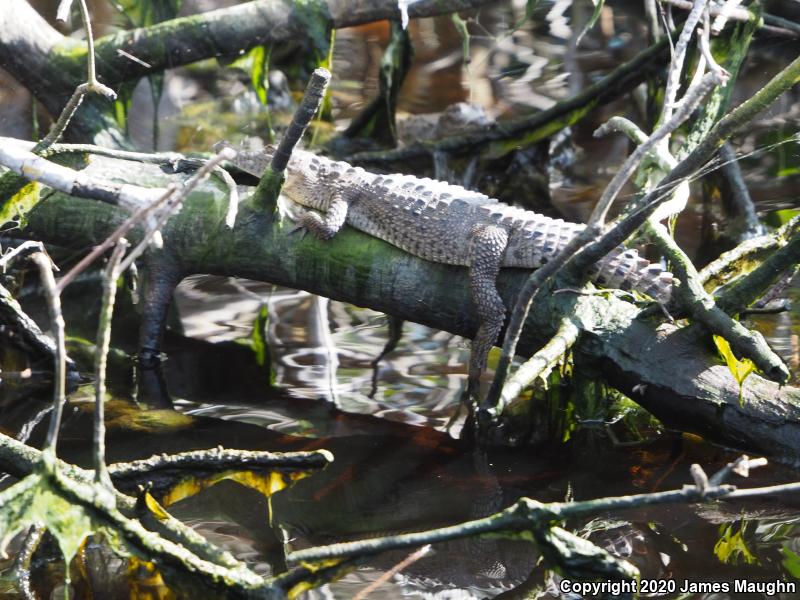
{"x": 326, "y": 226}
{"x": 487, "y": 246}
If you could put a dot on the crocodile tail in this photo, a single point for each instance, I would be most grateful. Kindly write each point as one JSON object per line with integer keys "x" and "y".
{"x": 623, "y": 268}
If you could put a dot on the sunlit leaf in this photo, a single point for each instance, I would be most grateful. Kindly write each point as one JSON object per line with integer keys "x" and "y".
{"x": 258, "y": 338}
{"x": 740, "y": 369}
{"x": 732, "y": 548}
{"x": 266, "y": 483}
{"x": 776, "y": 218}
{"x": 18, "y": 197}
{"x": 791, "y": 562}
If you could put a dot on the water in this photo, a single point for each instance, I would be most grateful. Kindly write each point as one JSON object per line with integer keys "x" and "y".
{"x": 394, "y": 426}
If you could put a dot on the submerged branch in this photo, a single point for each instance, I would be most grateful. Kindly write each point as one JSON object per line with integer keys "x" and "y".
{"x": 272, "y": 179}
{"x": 784, "y": 261}
{"x": 531, "y": 128}
{"x": 219, "y": 459}
{"x": 530, "y": 515}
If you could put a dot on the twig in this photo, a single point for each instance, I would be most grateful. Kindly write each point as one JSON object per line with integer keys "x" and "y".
{"x": 772, "y": 24}
{"x": 737, "y": 262}
{"x": 740, "y": 196}
{"x": 676, "y": 65}
{"x": 172, "y": 203}
{"x": 703, "y": 309}
{"x": 541, "y": 275}
{"x": 403, "y": 564}
{"x": 540, "y": 363}
{"x": 719, "y": 134}
{"x": 689, "y": 102}
{"x": 312, "y": 99}
{"x": 749, "y": 288}
{"x": 522, "y": 306}
{"x": 741, "y": 466}
{"x": 150, "y": 212}
{"x": 734, "y": 263}
{"x": 90, "y": 86}
{"x": 111, "y": 275}
{"x": 25, "y": 248}
{"x": 174, "y": 160}
{"x": 705, "y": 49}
{"x": 270, "y": 184}
{"x": 69, "y": 181}
{"x": 721, "y": 18}
{"x": 773, "y": 308}
{"x": 136, "y": 218}
{"x": 217, "y": 459}
{"x": 527, "y": 514}
{"x": 45, "y": 265}
{"x": 22, "y": 563}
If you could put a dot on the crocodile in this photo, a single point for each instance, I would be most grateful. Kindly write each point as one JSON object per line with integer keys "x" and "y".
{"x": 444, "y": 223}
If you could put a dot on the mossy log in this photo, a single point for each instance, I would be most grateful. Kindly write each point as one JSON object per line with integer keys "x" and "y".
{"x": 673, "y": 372}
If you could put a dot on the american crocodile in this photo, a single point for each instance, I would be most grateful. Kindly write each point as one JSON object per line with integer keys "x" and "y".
{"x": 448, "y": 224}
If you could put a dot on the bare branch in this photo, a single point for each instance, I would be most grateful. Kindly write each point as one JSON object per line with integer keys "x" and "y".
{"x": 110, "y": 277}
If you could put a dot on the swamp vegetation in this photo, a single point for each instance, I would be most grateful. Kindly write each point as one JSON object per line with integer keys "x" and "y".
{"x": 199, "y": 402}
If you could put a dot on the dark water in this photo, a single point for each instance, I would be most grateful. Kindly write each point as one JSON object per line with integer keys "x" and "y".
{"x": 394, "y": 427}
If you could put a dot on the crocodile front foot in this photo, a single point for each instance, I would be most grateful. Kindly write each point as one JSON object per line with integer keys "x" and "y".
{"x": 325, "y": 225}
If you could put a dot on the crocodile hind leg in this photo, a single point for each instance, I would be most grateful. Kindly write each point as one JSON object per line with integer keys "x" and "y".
{"x": 326, "y": 226}
{"x": 487, "y": 246}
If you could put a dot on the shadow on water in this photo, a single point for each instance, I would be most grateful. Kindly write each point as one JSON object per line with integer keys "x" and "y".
{"x": 396, "y": 475}
{"x": 398, "y": 463}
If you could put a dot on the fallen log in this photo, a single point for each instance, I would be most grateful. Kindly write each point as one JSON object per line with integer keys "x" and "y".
{"x": 671, "y": 371}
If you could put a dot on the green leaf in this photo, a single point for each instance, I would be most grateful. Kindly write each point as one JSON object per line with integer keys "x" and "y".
{"x": 777, "y": 218}
{"x": 530, "y": 7}
{"x": 258, "y": 338}
{"x": 36, "y": 500}
{"x": 122, "y": 105}
{"x": 17, "y": 197}
{"x": 259, "y": 72}
{"x": 732, "y": 548}
{"x": 791, "y": 562}
{"x": 598, "y": 8}
{"x": 143, "y": 13}
{"x": 315, "y": 17}
{"x": 461, "y": 27}
{"x": 740, "y": 369}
